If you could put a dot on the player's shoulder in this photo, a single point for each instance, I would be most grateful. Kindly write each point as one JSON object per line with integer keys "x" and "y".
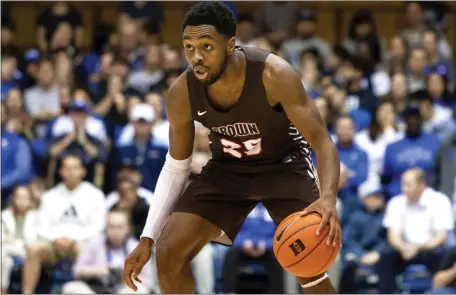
{"x": 276, "y": 69}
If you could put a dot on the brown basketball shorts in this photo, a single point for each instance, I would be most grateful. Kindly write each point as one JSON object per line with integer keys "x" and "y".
{"x": 225, "y": 199}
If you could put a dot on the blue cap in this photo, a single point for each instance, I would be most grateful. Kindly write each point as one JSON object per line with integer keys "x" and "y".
{"x": 79, "y": 105}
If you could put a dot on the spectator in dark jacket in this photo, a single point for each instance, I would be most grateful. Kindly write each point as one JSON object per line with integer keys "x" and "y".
{"x": 444, "y": 174}
{"x": 444, "y": 281}
{"x": 364, "y": 237}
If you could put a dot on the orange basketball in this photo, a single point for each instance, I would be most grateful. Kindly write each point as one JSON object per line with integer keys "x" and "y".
{"x": 299, "y": 250}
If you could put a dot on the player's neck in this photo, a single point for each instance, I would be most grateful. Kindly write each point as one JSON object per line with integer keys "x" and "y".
{"x": 233, "y": 70}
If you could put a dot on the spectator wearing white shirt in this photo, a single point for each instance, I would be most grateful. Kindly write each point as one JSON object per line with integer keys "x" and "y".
{"x": 42, "y": 101}
{"x": 418, "y": 222}
{"x": 70, "y": 213}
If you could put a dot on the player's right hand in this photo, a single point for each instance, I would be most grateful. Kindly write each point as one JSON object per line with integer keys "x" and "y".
{"x": 136, "y": 261}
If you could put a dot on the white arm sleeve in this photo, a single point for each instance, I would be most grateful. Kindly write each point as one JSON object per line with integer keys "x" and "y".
{"x": 169, "y": 188}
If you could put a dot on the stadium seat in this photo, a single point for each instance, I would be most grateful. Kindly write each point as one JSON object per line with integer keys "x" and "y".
{"x": 367, "y": 279}
{"x": 416, "y": 279}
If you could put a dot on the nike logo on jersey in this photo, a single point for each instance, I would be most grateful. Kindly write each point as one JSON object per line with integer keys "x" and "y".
{"x": 201, "y": 113}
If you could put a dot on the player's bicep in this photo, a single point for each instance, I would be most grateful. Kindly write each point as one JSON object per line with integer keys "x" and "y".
{"x": 181, "y": 126}
{"x": 283, "y": 85}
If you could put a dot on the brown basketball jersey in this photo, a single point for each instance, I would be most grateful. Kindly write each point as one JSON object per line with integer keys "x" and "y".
{"x": 252, "y": 134}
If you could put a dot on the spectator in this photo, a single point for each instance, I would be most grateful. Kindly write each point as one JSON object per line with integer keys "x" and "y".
{"x": 436, "y": 85}
{"x": 275, "y": 20}
{"x": 246, "y": 31}
{"x": 416, "y": 149}
{"x": 132, "y": 173}
{"x": 18, "y": 119}
{"x": 137, "y": 208}
{"x": 128, "y": 49}
{"x": 141, "y": 150}
{"x": 437, "y": 119}
{"x": 416, "y": 70}
{"x": 42, "y": 101}
{"x": 144, "y": 13}
{"x": 364, "y": 237}
{"x": 381, "y": 132}
{"x": 444, "y": 281}
{"x": 356, "y": 163}
{"x": 254, "y": 244}
{"x": 70, "y": 213}
{"x": 444, "y": 174}
{"x": 152, "y": 76}
{"x": 59, "y": 17}
{"x": 399, "y": 91}
{"x": 202, "y": 153}
{"x": 81, "y": 134}
{"x": 9, "y": 74}
{"x": 418, "y": 221}
{"x": 307, "y": 38}
{"x": 37, "y": 189}
{"x": 16, "y": 163}
{"x": 396, "y": 58}
{"x": 362, "y": 27}
{"x": 436, "y": 62}
{"x": 99, "y": 267}
{"x": 18, "y": 230}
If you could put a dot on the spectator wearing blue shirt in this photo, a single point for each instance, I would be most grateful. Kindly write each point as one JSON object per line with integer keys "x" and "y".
{"x": 16, "y": 163}
{"x": 355, "y": 163}
{"x": 253, "y": 244}
{"x": 364, "y": 236}
{"x": 416, "y": 150}
{"x": 9, "y": 74}
{"x": 141, "y": 150}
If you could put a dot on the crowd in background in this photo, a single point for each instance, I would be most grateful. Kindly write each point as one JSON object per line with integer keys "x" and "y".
{"x": 85, "y": 134}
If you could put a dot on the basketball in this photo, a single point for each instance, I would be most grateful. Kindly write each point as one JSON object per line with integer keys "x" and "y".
{"x": 299, "y": 250}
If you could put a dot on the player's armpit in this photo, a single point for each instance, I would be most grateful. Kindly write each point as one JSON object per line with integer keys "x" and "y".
{"x": 182, "y": 128}
{"x": 283, "y": 85}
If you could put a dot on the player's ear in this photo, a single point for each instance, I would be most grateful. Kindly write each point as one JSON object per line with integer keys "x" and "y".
{"x": 231, "y": 45}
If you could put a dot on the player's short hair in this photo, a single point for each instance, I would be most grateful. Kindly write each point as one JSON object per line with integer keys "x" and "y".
{"x": 212, "y": 13}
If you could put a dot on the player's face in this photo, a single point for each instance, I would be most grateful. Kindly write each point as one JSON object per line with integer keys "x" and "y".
{"x": 207, "y": 52}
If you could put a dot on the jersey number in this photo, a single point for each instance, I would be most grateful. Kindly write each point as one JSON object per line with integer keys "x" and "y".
{"x": 251, "y": 147}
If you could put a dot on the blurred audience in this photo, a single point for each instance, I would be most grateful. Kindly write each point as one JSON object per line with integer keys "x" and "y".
{"x": 444, "y": 281}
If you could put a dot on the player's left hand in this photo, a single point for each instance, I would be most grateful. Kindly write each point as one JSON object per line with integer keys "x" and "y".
{"x": 326, "y": 207}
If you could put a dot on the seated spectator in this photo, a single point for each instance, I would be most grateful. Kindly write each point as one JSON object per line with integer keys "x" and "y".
{"x": 9, "y": 74}
{"x": 416, "y": 149}
{"x": 131, "y": 172}
{"x": 81, "y": 134}
{"x": 254, "y": 244}
{"x": 42, "y": 101}
{"x": 56, "y": 16}
{"x": 137, "y": 208}
{"x": 142, "y": 150}
{"x": 381, "y": 132}
{"x": 16, "y": 163}
{"x": 356, "y": 163}
{"x": 17, "y": 116}
{"x": 144, "y": 13}
{"x": 444, "y": 281}
{"x": 128, "y": 47}
{"x": 436, "y": 85}
{"x": 399, "y": 91}
{"x": 245, "y": 32}
{"x": 418, "y": 222}
{"x": 306, "y": 29}
{"x": 18, "y": 230}
{"x": 396, "y": 57}
{"x": 99, "y": 267}
{"x": 444, "y": 174}
{"x": 70, "y": 213}
{"x": 437, "y": 119}
{"x": 364, "y": 237}
{"x": 417, "y": 62}
{"x": 152, "y": 76}
{"x": 437, "y": 63}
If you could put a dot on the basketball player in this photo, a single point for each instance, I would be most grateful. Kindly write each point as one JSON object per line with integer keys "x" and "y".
{"x": 261, "y": 121}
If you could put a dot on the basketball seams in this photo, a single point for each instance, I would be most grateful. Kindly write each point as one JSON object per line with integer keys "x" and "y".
{"x": 316, "y": 246}
{"x": 291, "y": 235}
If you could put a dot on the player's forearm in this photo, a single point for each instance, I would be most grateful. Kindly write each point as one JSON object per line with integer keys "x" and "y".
{"x": 169, "y": 188}
{"x": 328, "y": 169}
